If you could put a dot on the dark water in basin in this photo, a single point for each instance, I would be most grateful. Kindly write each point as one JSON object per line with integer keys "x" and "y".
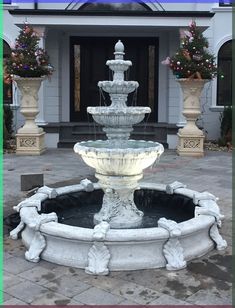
{"x": 78, "y": 209}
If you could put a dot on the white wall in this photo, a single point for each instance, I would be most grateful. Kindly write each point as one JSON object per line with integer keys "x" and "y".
{"x": 53, "y": 5}
{"x": 191, "y": 6}
{"x": 219, "y": 32}
{"x": 24, "y": 5}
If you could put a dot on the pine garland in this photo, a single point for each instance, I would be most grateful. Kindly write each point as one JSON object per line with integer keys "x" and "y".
{"x": 192, "y": 60}
{"x": 27, "y": 59}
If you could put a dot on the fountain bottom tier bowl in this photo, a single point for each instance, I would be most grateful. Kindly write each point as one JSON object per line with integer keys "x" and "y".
{"x": 179, "y": 225}
{"x": 119, "y": 166}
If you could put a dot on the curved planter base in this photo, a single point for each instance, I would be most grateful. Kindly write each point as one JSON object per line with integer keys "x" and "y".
{"x": 102, "y": 249}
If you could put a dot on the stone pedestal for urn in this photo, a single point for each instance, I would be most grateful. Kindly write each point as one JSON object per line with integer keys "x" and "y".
{"x": 30, "y": 137}
{"x": 191, "y": 138}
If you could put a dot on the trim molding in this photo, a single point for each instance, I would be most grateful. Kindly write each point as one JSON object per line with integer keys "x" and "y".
{"x": 112, "y": 13}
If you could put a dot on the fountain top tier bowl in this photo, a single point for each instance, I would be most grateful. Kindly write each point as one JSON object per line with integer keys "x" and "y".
{"x": 118, "y": 65}
{"x": 118, "y": 118}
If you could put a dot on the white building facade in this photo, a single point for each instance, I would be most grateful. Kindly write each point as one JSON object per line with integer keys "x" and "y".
{"x": 79, "y": 38}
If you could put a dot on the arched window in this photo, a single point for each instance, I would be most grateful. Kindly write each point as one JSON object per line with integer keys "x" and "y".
{"x": 130, "y": 6}
{"x": 224, "y": 82}
{"x": 7, "y": 84}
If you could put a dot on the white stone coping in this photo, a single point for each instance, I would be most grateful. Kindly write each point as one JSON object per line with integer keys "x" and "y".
{"x": 124, "y": 235}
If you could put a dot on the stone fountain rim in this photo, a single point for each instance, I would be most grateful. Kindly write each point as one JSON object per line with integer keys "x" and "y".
{"x": 109, "y": 110}
{"x": 119, "y": 82}
{"x": 80, "y": 147}
{"x": 169, "y": 245}
{"x": 119, "y": 62}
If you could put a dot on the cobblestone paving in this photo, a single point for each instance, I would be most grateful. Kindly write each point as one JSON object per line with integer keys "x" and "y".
{"x": 205, "y": 281}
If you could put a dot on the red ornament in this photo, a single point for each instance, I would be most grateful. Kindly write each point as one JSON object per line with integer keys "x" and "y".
{"x": 27, "y": 30}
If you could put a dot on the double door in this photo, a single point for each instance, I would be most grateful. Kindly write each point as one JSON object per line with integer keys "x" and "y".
{"x": 88, "y": 66}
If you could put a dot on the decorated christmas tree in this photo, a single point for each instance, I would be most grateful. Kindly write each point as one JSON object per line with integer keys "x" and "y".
{"x": 192, "y": 59}
{"x": 27, "y": 59}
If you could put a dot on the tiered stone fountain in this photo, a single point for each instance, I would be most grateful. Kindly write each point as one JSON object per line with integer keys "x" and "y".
{"x": 119, "y": 162}
{"x": 119, "y": 236}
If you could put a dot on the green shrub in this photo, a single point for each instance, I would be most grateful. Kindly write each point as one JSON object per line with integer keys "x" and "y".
{"x": 7, "y": 124}
{"x": 225, "y": 126}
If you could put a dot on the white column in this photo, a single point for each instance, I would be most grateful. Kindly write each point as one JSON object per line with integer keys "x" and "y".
{"x": 40, "y": 119}
{"x": 181, "y": 122}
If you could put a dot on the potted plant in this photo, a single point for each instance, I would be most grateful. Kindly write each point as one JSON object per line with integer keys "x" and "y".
{"x": 193, "y": 65}
{"x": 28, "y": 66}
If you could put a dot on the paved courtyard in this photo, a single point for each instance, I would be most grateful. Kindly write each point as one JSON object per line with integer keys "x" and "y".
{"x": 205, "y": 281}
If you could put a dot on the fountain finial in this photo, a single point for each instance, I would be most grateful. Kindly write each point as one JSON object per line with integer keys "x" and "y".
{"x": 119, "y": 50}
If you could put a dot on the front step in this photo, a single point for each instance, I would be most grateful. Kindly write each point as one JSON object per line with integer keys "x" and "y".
{"x": 70, "y": 133}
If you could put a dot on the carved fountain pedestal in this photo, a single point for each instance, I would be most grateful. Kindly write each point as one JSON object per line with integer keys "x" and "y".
{"x": 30, "y": 137}
{"x": 191, "y": 138}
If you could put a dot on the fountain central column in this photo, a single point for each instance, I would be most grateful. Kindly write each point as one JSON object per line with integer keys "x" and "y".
{"x": 118, "y": 206}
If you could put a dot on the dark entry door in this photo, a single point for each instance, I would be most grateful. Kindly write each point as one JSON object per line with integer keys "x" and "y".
{"x": 88, "y": 58}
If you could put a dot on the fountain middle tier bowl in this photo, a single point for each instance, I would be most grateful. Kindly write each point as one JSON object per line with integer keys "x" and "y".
{"x": 118, "y": 86}
{"x": 117, "y": 117}
{"x": 125, "y": 158}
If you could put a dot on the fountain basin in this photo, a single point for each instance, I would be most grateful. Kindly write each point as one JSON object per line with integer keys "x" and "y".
{"x": 101, "y": 249}
{"x": 126, "y": 158}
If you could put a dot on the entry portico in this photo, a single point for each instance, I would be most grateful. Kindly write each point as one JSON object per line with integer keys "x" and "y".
{"x": 79, "y": 42}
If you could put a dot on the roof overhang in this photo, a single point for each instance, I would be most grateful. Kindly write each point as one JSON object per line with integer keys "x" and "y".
{"x": 160, "y": 19}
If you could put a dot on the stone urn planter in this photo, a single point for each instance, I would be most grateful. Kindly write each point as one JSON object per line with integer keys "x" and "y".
{"x": 191, "y": 138}
{"x": 30, "y": 137}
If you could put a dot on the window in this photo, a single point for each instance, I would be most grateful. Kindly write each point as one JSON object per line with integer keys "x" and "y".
{"x": 225, "y": 3}
{"x": 224, "y": 82}
{"x": 97, "y": 6}
{"x": 7, "y": 84}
